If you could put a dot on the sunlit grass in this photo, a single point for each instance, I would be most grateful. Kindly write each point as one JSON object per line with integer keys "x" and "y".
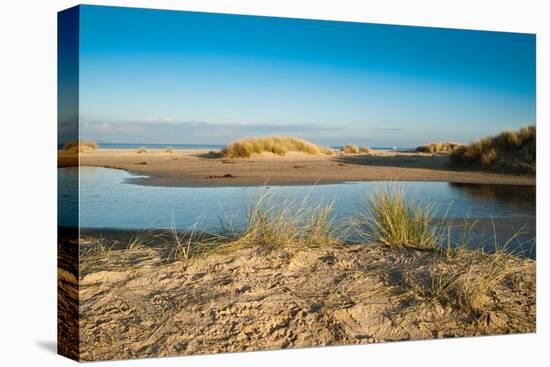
{"x": 80, "y": 146}
{"x": 438, "y": 147}
{"x": 273, "y": 223}
{"x": 392, "y": 220}
{"x": 279, "y": 145}
{"x": 350, "y": 149}
{"x": 364, "y": 150}
{"x": 510, "y": 151}
{"x": 326, "y": 150}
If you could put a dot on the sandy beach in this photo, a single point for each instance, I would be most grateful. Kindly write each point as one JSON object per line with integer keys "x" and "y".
{"x": 201, "y": 168}
{"x": 141, "y": 303}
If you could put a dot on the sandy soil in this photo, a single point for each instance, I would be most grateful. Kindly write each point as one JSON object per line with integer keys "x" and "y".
{"x": 139, "y": 303}
{"x": 200, "y": 168}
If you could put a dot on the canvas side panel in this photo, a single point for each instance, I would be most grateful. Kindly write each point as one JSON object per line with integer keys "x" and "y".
{"x": 68, "y": 182}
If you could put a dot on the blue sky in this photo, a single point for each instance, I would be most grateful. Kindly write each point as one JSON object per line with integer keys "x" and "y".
{"x": 151, "y": 76}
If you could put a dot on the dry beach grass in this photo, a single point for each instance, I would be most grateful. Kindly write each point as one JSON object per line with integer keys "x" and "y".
{"x": 439, "y": 147}
{"x": 510, "y": 151}
{"x": 79, "y": 146}
{"x": 279, "y": 145}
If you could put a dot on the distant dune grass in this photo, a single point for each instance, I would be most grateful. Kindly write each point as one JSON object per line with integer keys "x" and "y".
{"x": 326, "y": 150}
{"x": 511, "y": 151}
{"x": 350, "y": 149}
{"x": 438, "y": 147}
{"x": 142, "y": 150}
{"x": 279, "y": 145}
{"x": 82, "y": 146}
{"x": 364, "y": 150}
{"x": 354, "y": 149}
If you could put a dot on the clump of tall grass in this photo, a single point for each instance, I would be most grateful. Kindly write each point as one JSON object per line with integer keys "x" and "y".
{"x": 350, "y": 149}
{"x": 466, "y": 278}
{"x": 438, "y": 147}
{"x": 279, "y": 145}
{"x": 481, "y": 278}
{"x": 484, "y": 273}
{"x": 169, "y": 150}
{"x": 270, "y": 224}
{"x": 80, "y": 146}
{"x": 509, "y": 151}
{"x": 286, "y": 223}
{"x": 142, "y": 150}
{"x": 391, "y": 220}
{"x": 465, "y": 281}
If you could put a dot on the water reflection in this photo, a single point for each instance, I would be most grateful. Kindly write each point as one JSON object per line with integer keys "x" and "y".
{"x": 523, "y": 197}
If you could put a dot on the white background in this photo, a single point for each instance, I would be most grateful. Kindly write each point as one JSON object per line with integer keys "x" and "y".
{"x": 28, "y": 181}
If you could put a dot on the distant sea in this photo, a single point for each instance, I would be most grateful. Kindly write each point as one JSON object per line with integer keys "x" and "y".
{"x": 401, "y": 149}
{"x": 201, "y": 146}
{"x": 155, "y": 146}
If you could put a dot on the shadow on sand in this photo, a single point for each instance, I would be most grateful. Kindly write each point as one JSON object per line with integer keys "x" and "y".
{"x": 210, "y": 155}
{"x": 436, "y": 161}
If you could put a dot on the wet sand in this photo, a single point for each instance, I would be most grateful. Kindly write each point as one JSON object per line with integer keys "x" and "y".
{"x": 201, "y": 168}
